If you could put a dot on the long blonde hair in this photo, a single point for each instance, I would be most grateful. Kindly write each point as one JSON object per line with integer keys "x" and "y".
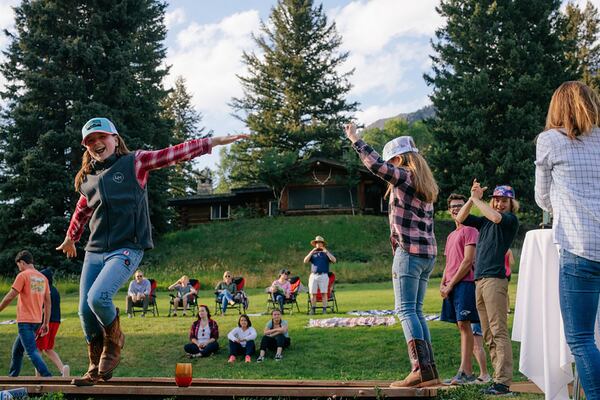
{"x": 575, "y": 108}
{"x": 421, "y": 176}
{"x": 86, "y": 162}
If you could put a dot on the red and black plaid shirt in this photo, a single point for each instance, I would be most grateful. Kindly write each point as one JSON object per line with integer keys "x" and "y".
{"x": 212, "y": 325}
{"x": 145, "y": 161}
{"x": 411, "y": 219}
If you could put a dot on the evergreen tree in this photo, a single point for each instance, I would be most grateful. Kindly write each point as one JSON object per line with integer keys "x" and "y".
{"x": 583, "y": 29}
{"x": 179, "y": 109}
{"x": 495, "y": 67}
{"x": 294, "y": 95}
{"x": 69, "y": 61}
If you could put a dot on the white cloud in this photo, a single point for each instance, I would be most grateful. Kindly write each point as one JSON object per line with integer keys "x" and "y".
{"x": 174, "y": 18}
{"x": 389, "y": 47}
{"x": 209, "y": 57}
{"x": 368, "y": 26}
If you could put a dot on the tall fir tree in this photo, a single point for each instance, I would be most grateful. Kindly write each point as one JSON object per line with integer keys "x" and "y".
{"x": 583, "y": 29}
{"x": 495, "y": 67}
{"x": 294, "y": 95}
{"x": 186, "y": 126}
{"x": 69, "y": 61}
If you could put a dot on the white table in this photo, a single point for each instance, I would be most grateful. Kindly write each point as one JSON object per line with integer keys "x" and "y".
{"x": 545, "y": 357}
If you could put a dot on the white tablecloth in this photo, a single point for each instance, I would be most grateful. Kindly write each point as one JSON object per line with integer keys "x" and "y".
{"x": 545, "y": 357}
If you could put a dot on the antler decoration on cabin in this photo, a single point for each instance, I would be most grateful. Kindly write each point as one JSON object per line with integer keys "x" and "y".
{"x": 321, "y": 181}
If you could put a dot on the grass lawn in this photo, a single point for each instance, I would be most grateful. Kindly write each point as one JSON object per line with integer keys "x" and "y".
{"x": 154, "y": 345}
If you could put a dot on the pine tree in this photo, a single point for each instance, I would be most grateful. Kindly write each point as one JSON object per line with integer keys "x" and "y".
{"x": 186, "y": 120}
{"x": 294, "y": 95}
{"x": 69, "y": 61}
{"x": 495, "y": 67}
{"x": 583, "y": 29}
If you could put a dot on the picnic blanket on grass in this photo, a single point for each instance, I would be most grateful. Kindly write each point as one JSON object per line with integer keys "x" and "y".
{"x": 351, "y": 322}
{"x": 363, "y": 313}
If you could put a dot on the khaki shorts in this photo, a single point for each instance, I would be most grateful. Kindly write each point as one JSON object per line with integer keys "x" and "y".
{"x": 318, "y": 282}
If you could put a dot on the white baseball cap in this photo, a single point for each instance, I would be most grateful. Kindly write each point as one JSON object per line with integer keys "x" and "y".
{"x": 397, "y": 146}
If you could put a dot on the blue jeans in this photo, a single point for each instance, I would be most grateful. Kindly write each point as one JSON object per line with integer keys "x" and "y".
{"x": 279, "y": 299}
{"x": 579, "y": 290}
{"x": 225, "y": 297}
{"x": 410, "y": 275}
{"x": 101, "y": 277}
{"x": 26, "y": 342}
{"x": 236, "y": 349}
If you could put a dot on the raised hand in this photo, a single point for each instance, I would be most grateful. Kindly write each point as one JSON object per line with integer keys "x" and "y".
{"x": 350, "y": 130}
{"x": 477, "y": 190}
{"x": 223, "y": 140}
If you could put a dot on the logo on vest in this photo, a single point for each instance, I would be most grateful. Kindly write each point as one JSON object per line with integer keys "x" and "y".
{"x": 118, "y": 177}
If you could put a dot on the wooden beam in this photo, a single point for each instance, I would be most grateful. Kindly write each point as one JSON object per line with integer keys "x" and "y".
{"x": 150, "y": 387}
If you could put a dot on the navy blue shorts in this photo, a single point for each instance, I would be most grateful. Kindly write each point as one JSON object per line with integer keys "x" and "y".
{"x": 476, "y": 328}
{"x": 460, "y": 304}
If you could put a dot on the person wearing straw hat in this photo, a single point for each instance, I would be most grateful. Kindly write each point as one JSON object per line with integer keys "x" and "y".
{"x": 319, "y": 258}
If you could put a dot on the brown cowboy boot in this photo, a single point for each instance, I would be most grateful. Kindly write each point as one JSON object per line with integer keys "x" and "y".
{"x": 114, "y": 340}
{"x": 432, "y": 363}
{"x": 423, "y": 371}
{"x": 91, "y": 376}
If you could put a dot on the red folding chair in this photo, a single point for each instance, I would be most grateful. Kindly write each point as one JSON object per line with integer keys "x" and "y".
{"x": 288, "y": 304}
{"x": 192, "y": 299}
{"x": 138, "y": 307}
{"x": 239, "y": 297}
{"x": 331, "y": 299}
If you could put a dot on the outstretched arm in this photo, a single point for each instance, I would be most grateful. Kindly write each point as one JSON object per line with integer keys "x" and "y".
{"x": 146, "y": 161}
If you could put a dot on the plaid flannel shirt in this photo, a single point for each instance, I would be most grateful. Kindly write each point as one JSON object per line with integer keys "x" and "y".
{"x": 145, "y": 161}
{"x": 411, "y": 219}
{"x": 567, "y": 184}
{"x": 212, "y": 325}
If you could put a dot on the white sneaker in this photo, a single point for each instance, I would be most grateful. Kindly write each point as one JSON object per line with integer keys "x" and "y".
{"x": 66, "y": 371}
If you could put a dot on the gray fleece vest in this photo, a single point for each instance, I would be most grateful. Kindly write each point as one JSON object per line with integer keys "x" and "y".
{"x": 121, "y": 217}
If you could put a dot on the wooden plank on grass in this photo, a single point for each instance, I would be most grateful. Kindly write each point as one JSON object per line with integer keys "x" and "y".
{"x": 208, "y": 382}
{"x": 223, "y": 391}
{"x": 525, "y": 387}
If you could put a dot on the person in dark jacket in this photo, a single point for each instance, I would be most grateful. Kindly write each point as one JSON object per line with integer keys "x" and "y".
{"x": 112, "y": 183}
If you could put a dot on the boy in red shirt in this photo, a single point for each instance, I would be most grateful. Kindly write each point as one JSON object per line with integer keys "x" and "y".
{"x": 32, "y": 289}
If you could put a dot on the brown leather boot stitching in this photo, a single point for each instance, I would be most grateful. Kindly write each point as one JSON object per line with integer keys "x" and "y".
{"x": 91, "y": 377}
{"x": 114, "y": 340}
{"x": 423, "y": 371}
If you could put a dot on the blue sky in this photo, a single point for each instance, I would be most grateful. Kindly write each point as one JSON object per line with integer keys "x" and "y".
{"x": 388, "y": 41}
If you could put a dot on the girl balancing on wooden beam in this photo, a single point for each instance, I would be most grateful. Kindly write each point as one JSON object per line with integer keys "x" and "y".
{"x": 114, "y": 200}
{"x": 412, "y": 190}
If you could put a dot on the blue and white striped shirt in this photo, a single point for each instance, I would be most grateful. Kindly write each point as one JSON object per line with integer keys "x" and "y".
{"x": 567, "y": 184}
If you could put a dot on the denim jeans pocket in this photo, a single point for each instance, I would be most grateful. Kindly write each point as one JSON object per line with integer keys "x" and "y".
{"x": 575, "y": 265}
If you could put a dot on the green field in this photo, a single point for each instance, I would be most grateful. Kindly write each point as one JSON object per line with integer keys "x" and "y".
{"x": 154, "y": 345}
{"x": 257, "y": 249}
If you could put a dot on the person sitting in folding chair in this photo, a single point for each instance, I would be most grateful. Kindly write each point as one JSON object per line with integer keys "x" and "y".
{"x": 138, "y": 293}
{"x": 184, "y": 291}
{"x": 225, "y": 290}
{"x": 319, "y": 258}
{"x": 280, "y": 289}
